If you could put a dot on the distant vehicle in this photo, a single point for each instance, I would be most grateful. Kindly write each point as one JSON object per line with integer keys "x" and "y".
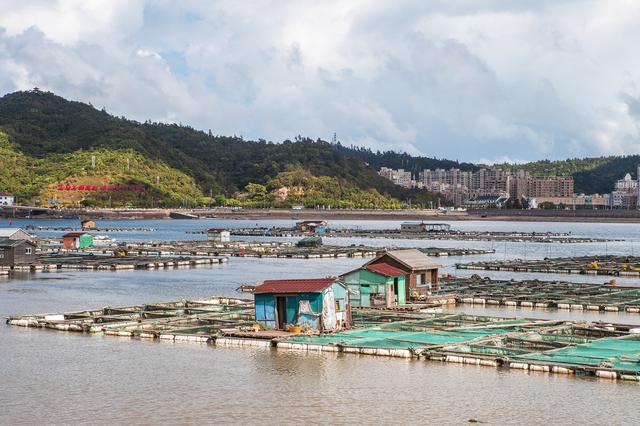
{"x": 297, "y": 207}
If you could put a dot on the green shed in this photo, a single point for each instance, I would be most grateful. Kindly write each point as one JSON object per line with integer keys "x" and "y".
{"x": 77, "y": 240}
{"x": 376, "y": 284}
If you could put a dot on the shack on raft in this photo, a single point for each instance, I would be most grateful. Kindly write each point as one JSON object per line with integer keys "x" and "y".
{"x": 320, "y": 304}
{"x": 313, "y": 226}
{"x": 378, "y": 284}
{"x": 77, "y": 240}
{"x": 218, "y": 235}
{"x": 421, "y": 272}
{"x": 16, "y": 252}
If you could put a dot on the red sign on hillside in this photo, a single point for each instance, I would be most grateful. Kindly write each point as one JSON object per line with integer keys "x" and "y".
{"x": 110, "y": 187}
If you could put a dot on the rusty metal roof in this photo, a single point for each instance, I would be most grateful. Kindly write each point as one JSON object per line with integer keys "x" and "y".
{"x": 312, "y": 285}
{"x": 385, "y": 269}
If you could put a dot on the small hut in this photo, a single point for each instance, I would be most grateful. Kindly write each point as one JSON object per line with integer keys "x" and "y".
{"x": 218, "y": 235}
{"x": 77, "y": 240}
{"x": 313, "y": 226}
{"x": 88, "y": 224}
{"x": 376, "y": 284}
{"x": 320, "y": 303}
{"x": 16, "y": 252}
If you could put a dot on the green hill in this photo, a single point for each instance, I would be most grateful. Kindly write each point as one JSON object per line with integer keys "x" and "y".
{"x": 56, "y": 138}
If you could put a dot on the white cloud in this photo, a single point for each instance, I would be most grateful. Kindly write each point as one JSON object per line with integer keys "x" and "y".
{"x": 465, "y": 79}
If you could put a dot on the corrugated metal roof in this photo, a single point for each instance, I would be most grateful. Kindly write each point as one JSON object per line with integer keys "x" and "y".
{"x": 411, "y": 258}
{"x": 7, "y": 242}
{"x": 74, "y": 234}
{"x": 312, "y": 285}
{"x": 385, "y": 269}
{"x": 7, "y": 232}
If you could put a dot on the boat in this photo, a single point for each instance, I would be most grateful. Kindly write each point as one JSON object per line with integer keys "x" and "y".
{"x": 181, "y": 215}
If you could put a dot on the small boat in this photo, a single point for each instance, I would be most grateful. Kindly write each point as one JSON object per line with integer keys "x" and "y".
{"x": 246, "y": 288}
{"x": 182, "y": 215}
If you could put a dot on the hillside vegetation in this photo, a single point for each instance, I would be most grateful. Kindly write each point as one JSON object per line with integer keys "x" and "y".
{"x": 56, "y": 139}
{"x": 37, "y": 178}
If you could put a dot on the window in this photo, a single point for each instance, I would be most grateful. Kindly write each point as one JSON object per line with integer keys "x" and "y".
{"x": 27, "y": 250}
{"x": 421, "y": 280}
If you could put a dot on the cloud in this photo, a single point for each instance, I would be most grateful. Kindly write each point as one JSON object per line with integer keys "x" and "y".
{"x": 466, "y": 80}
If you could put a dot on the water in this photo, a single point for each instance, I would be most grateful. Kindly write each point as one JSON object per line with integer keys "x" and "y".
{"x": 62, "y": 378}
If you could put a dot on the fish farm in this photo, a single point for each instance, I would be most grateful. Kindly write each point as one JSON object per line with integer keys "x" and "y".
{"x": 266, "y": 249}
{"x": 500, "y": 236}
{"x": 606, "y": 350}
{"x": 623, "y": 266}
{"x": 50, "y": 262}
{"x": 543, "y": 294}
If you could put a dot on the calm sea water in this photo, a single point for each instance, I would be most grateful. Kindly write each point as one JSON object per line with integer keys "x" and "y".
{"x": 67, "y": 378}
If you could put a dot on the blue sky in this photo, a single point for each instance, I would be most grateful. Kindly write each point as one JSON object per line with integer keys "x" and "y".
{"x": 469, "y": 80}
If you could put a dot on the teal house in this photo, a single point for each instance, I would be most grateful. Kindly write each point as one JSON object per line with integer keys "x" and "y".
{"x": 320, "y": 303}
{"x": 377, "y": 284}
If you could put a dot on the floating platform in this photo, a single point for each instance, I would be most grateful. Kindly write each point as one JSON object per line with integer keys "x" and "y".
{"x": 274, "y": 249}
{"x": 532, "y": 237}
{"x": 623, "y": 266}
{"x": 111, "y": 263}
{"x": 97, "y": 229}
{"x": 535, "y": 294}
{"x": 605, "y": 350}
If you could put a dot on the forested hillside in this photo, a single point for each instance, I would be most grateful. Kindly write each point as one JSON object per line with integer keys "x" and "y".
{"x": 398, "y": 160}
{"x": 42, "y": 128}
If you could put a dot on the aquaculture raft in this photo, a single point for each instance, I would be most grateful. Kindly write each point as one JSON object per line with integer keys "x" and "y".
{"x": 112, "y": 263}
{"x": 543, "y": 294}
{"x": 609, "y": 351}
{"x": 271, "y": 249}
{"x": 624, "y": 266}
{"x": 533, "y": 237}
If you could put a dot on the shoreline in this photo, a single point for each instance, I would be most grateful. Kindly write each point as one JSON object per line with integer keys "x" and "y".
{"x": 587, "y": 216}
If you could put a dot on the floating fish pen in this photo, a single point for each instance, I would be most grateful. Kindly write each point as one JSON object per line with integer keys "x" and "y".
{"x": 608, "y": 351}
{"x": 201, "y": 317}
{"x": 623, "y": 266}
{"x": 97, "y": 229}
{"x": 534, "y": 294}
{"x": 502, "y": 236}
{"x": 113, "y": 263}
{"x": 282, "y": 250}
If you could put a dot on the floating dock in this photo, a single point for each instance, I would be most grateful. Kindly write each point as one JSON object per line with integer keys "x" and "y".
{"x": 605, "y": 350}
{"x": 532, "y": 237}
{"x": 97, "y": 229}
{"x": 258, "y": 249}
{"x": 111, "y": 263}
{"x": 623, "y": 266}
{"x": 534, "y": 294}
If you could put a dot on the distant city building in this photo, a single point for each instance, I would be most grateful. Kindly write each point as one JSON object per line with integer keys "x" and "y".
{"x": 625, "y": 193}
{"x": 7, "y": 199}
{"x": 399, "y": 177}
{"x": 459, "y": 186}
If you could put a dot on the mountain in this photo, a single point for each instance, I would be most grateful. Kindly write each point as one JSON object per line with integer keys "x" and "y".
{"x": 402, "y": 160}
{"x": 52, "y": 141}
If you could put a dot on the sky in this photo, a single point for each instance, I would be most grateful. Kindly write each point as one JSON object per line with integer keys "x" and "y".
{"x": 483, "y": 81}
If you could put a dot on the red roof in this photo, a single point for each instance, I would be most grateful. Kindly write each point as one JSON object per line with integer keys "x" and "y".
{"x": 313, "y": 285}
{"x": 385, "y": 269}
